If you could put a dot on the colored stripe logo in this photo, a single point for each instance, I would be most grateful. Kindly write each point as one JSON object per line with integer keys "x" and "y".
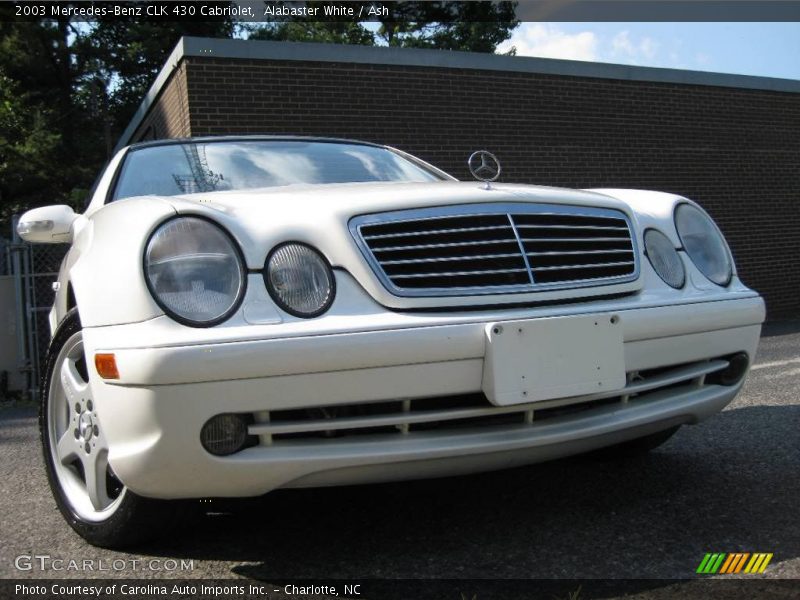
{"x": 737, "y": 562}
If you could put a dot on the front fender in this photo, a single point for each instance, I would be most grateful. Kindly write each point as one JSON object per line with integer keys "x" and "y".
{"x": 105, "y": 266}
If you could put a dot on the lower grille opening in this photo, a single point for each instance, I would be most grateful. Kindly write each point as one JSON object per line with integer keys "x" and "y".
{"x": 390, "y": 419}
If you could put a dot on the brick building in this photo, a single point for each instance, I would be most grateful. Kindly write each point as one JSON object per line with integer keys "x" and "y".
{"x": 730, "y": 142}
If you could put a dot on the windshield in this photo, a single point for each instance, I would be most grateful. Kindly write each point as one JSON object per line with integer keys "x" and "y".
{"x": 187, "y": 168}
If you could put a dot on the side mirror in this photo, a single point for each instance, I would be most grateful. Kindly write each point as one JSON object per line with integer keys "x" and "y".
{"x": 47, "y": 225}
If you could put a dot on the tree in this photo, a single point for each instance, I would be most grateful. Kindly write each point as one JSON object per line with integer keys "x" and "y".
{"x": 469, "y": 26}
{"x": 42, "y": 128}
{"x": 28, "y": 149}
{"x": 123, "y": 58}
{"x": 314, "y": 31}
{"x": 67, "y": 91}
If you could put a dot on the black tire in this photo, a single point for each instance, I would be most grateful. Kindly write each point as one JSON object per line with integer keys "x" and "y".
{"x": 134, "y": 519}
{"x": 636, "y": 447}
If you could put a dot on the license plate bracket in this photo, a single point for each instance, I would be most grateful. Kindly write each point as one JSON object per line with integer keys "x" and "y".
{"x": 542, "y": 359}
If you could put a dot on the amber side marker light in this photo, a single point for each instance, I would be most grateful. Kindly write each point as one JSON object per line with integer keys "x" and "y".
{"x": 106, "y": 365}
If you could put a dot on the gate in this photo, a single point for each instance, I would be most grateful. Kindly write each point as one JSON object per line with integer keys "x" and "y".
{"x": 35, "y": 268}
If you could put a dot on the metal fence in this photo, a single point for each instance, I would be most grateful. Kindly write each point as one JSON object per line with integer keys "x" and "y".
{"x": 35, "y": 268}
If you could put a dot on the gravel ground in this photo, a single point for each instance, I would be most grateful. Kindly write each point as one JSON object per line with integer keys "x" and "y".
{"x": 729, "y": 484}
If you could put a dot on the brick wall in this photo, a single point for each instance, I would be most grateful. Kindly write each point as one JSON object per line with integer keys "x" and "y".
{"x": 169, "y": 116}
{"x": 736, "y": 151}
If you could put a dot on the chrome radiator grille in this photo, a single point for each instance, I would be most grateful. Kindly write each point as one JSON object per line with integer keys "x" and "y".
{"x": 497, "y": 248}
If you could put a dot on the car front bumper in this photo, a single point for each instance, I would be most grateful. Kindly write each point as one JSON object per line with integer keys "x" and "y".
{"x": 154, "y": 413}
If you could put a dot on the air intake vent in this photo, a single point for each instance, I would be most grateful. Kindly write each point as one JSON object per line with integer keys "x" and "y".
{"x": 497, "y": 248}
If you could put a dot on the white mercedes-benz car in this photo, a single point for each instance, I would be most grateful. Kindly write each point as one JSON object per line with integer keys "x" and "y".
{"x": 241, "y": 314}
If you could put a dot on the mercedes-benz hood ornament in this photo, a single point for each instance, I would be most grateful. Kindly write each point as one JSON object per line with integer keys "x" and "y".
{"x": 484, "y": 166}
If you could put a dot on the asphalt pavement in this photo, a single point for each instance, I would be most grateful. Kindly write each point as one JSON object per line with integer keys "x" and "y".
{"x": 729, "y": 484}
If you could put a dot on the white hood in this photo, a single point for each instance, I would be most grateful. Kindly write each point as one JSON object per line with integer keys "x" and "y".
{"x": 318, "y": 214}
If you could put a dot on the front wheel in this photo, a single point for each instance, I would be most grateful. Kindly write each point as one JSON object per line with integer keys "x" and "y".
{"x": 93, "y": 501}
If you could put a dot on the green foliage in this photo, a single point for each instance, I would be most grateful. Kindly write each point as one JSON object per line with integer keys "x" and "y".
{"x": 314, "y": 31}
{"x": 124, "y": 57}
{"x": 28, "y": 148}
{"x": 67, "y": 91}
{"x": 469, "y": 26}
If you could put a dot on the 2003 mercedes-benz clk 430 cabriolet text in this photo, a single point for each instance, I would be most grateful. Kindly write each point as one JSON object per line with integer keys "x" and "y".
{"x": 237, "y": 315}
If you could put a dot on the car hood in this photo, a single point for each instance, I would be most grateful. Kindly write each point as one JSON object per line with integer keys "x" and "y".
{"x": 311, "y": 212}
{"x": 383, "y": 196}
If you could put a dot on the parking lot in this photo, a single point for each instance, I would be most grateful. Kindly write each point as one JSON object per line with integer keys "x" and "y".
{"x": 730, "y": 484}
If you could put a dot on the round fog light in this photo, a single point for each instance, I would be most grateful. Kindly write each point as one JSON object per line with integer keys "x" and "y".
{"x": 664, "y": 258}
{"x": 224, "y": 434}
{"x": 299, "y": 280}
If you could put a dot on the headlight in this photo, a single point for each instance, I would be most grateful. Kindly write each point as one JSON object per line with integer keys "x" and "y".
{"x": 299, "y": 280}
{"x": 194, "y": 271}
{"x": 704, "y": 243}
{"x": 664, "y": 258}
